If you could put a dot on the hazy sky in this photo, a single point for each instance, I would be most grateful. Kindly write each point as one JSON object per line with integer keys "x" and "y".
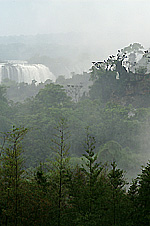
{"x": 109, "y": 22}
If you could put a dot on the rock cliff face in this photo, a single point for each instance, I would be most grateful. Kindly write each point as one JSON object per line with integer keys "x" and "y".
{"x": 21, "y": 71}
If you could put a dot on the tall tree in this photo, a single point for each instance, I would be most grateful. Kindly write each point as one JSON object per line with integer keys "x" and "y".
{"x": 117, "y": 183}
{"x": 133, "y": 203}
{"x": 84, "y": 186}
{"x": 11, "y": 174}
{"x": 92, "y": 169}
{"x": 144, "y": 196}
{"x": 60, "y": 167}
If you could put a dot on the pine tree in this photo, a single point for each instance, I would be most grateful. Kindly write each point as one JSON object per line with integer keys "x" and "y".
{"x": 11, "y": 174}
{"x": 91, "y": 168}
{"x": 60, "y": 168}
{"x": 85, "y": 186}
{"x": 133, "y": 203}
{"x": 117, "y": 183}
{"x": 144, "y": 196}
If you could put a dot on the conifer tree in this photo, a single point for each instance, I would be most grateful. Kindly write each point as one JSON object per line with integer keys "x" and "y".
{"x": 91, "y": 168}
{"x": 117, "y": 183}
{"x": 85, "y": 186}
{"x": 144, "y": 196}
{"x": 11, "y": 174}
{"x": 133, "y": 203}
{"x": 60, "y": 167}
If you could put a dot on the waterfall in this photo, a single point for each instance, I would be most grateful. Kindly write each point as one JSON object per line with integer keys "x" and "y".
{"x": 24, "y": 72}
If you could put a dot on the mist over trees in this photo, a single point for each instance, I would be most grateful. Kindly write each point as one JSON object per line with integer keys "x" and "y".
{"x": 86, "y": 138}
{"x": 56, "y": 193}
{"x": 63, "y": 53}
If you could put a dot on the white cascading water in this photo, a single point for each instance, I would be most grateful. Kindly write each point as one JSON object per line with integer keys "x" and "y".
{"x": 24, "y": 72}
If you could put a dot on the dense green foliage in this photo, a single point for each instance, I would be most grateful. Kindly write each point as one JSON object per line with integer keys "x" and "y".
{"x": 6, "y": 112}
{"x": 88, "y": 186}
{"x": 55, "y": 193}
{"x": 121, "y": 132}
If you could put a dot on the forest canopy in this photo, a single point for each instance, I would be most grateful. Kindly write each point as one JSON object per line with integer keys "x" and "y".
{"x": 77, "y": 147}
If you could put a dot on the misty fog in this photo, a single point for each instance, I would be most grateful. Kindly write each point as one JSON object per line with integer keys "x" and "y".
{"x": 74, "y": 112}
{"x": 108, "y": 25}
